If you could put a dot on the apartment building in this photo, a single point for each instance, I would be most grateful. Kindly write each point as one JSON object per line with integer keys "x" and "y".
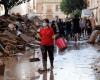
{"x": 94, "y": 5}
{"x": 49, "y": 8}
{"x": 43, "y": 8}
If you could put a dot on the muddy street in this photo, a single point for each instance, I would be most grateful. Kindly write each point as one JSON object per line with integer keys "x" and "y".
{"x": 72, "y": 64}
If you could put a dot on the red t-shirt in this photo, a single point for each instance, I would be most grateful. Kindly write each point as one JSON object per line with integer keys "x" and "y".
{"x": 46, "y": 35}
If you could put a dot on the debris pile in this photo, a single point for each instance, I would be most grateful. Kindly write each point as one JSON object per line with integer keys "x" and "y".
{"x": 96, "y": 65}
{"x": 16, "y": 32}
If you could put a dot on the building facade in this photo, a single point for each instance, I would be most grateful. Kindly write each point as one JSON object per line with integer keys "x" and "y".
{"x": 49, "y": 8}
{"x": 94, "y": 5}
{"x": 43, "y": 8}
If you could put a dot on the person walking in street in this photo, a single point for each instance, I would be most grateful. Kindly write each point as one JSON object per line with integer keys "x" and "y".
{"x": 60, "y": 25}
{"x": 47, "y": 43}
{"x": 82, "y": 26}
{"x": 68, "y": 29}
{"x": 76, "y": 27}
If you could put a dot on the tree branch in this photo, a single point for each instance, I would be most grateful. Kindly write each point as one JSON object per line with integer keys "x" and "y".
{"x": 1, "y": 2}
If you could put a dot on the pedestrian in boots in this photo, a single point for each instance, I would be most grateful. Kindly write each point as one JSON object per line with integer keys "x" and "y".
{"x": 47, "y": 43}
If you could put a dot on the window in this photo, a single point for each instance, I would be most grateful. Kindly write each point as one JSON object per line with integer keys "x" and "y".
{"x": 88, "y": 3}
{"x": 57, "y": 7}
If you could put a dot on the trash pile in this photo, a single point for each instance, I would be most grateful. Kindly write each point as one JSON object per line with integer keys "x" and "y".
{"x": 16, "y": 32}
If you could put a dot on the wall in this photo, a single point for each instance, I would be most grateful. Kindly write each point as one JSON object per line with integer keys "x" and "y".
{"x": 47, "y": 9}
{"x": 94, "y": 5}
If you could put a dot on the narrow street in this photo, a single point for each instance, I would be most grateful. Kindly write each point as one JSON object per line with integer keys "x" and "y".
{"x": 72, "y": 64}
{"x": 34, "y": 33}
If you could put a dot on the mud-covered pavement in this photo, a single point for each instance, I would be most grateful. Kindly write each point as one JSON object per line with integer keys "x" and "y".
{"x": 72, "y": 64}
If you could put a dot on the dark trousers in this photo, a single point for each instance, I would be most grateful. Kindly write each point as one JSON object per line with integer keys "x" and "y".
{"x": 89, "y": 31}
{"x": 47, "y": 50}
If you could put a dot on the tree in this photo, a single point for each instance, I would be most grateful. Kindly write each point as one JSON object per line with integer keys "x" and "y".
{"x": 69, "y": 6}
{"x": 8, "y": 4}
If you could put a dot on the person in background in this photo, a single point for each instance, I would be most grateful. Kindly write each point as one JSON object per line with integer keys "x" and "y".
{"x": 93, "y": 22}
{"x": 82, "y": 26}
{"x": 60, "y": 25}
{"x": 68, "y": 29}
{"x": 88, "y": 27}
{"x": 76, "y": 27}
{"x": 53, "y": 25}
{"x": 47, "y": 43}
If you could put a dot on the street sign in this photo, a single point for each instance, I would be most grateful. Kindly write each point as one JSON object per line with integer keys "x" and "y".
{"x": 87, "y": 13}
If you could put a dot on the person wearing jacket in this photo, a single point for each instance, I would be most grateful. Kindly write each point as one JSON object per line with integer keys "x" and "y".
{"x": 47, "y": 43}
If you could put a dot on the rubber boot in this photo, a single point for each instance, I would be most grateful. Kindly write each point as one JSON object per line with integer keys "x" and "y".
{"x": 51, "y": 62}
{"x": 44, "y": 65}
{"x": 41, "y": 71}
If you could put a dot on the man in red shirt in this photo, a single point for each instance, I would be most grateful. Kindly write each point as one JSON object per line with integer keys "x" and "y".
{"x": 47, "y": 43}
